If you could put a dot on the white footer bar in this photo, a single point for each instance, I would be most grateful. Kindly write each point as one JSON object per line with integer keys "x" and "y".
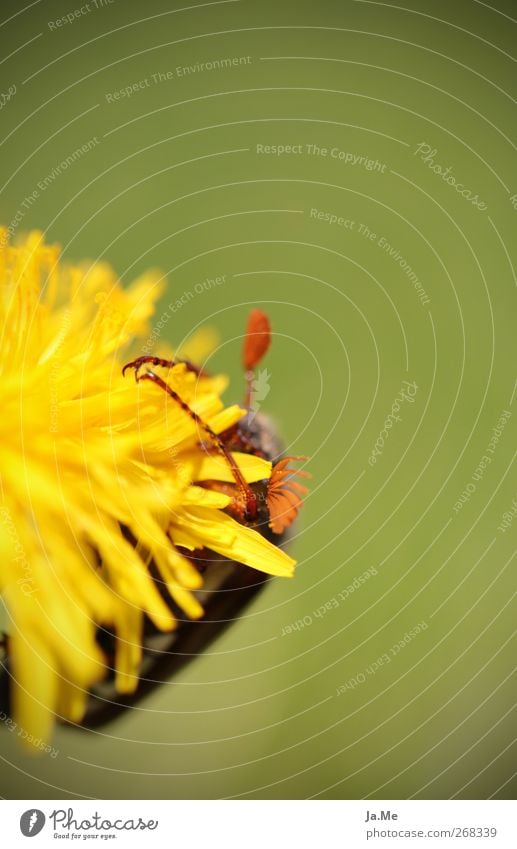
{"x": 260, "y": 824}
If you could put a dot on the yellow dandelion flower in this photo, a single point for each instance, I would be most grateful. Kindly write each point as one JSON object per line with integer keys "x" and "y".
{"x": 100, "y": 477}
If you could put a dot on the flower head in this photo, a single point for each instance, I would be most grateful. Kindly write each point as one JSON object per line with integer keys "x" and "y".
{"x": 100, "y": 476}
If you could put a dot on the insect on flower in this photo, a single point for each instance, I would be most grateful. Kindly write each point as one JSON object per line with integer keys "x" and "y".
{"x": 272, "y": 503}
{"x": 269, "y": 506}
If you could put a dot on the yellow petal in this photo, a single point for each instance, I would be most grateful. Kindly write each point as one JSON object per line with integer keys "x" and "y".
{"x": 34, "y": 697}
{"x": 237, "y": 542}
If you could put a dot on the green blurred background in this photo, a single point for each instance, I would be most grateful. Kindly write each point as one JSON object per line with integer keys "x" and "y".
{"x": 173, "y": 178}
